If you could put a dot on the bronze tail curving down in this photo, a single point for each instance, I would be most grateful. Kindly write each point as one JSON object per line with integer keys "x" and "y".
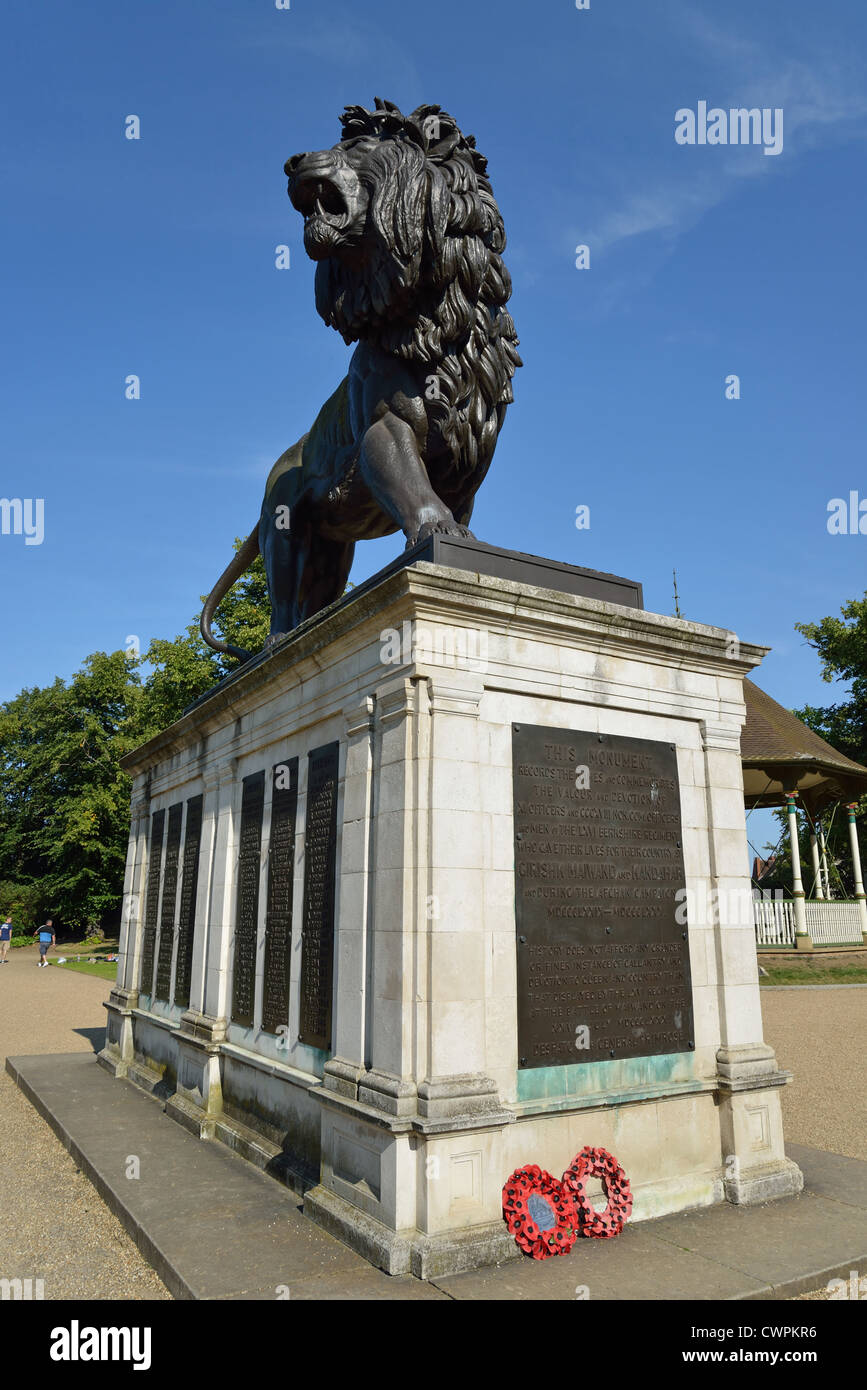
{"x": 237, "y": 566}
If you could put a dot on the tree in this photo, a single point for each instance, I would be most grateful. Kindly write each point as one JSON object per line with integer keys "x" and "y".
{"x": 842, "y": 647}
{"x": 186, "y": 668}
{"x": 64, "y": 800}
{"x": 841, "y": 644}
{"x": 21, "y": 902}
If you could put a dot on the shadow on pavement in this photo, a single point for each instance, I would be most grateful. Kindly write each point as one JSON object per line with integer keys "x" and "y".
{"x": 95, "y": 1036}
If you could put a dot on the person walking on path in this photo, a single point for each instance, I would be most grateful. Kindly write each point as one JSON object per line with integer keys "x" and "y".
{"x": 46, "y": 939}
{"x": 5, "y": 938}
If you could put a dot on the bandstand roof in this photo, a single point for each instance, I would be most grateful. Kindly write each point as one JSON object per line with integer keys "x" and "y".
{"x": 780, "y": 754}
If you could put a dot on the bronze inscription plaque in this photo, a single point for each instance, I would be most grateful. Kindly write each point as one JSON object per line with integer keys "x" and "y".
{"x": 320, "y": 858}
{"x": 152, "y": 901}
{"x": 603, "y": 964}
{"x": 247, "y": 902}
{"x": 189, "y": 888}
{"x": 167, "y": 912}
{"x": 278, "y": 915}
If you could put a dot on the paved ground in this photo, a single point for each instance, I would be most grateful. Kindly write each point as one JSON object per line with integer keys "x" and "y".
{"x": 214, "y": 1226}
{"x": 53, "y": 1225}
{"x": 217, "y": 1228}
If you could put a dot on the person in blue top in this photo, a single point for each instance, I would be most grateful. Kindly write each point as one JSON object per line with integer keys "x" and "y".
{"x": 46, "y": 939}
{"x": 5, "y": 938}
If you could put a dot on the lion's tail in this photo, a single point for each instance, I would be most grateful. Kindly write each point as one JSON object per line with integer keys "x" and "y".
{"x": 237, "y": 566}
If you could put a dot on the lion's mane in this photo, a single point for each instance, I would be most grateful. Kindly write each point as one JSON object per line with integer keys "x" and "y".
{"x": 433, "y": 286}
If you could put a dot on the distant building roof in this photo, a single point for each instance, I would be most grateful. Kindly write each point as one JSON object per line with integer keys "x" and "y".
{"x": 781, "y": 754}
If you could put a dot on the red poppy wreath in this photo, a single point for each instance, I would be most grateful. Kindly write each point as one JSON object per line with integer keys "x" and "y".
{"x": 539, "y": 1213}
{"x": 598, "y": 1163}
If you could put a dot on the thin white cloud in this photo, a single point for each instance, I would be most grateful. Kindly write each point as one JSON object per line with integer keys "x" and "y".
{"x": 824, "y": 100}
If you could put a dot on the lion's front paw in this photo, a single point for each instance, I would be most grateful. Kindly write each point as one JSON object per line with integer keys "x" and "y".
{"x": 272, "y": 639}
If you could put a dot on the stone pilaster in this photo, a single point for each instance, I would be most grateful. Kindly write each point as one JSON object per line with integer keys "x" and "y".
{"x": 216, "y": 1001}
{"x": 354, "y": 932}
{"x": 198, "y": 1098}
{"x": 132, "y": 917}
{"x": 119, "y": 1042}
{"x": 212, "y": 782}
{"x": 754, "y": 1164}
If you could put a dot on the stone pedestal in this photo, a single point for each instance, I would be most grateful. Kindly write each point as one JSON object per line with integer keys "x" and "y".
{"x": 389, "y": 1091}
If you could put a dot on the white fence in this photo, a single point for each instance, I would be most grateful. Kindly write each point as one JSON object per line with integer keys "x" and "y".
{"x": 775, "y": 921}
{"x": 831, "y": 924}
{"x": 828, "y": 923}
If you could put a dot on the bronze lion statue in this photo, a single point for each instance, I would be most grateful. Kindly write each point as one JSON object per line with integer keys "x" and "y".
{"x": 401, "y": 221}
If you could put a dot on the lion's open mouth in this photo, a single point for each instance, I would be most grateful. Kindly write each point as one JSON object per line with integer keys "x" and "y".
{"x": 327, "y": 196}
{"x": 323, "y": 234}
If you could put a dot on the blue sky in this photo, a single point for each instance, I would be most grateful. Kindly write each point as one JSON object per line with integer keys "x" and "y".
{"x": 156, "y": 257}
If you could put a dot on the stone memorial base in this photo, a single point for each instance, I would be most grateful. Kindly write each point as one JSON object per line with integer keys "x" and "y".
{"x": 420, "y": 897}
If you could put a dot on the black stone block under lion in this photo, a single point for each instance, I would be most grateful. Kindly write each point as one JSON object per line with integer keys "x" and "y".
{"x": 401, "y": 221}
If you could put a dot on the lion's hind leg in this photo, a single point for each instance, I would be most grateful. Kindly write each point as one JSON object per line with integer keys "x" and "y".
{"x": 324, "y": 570}
{"x": 305, "y": 571}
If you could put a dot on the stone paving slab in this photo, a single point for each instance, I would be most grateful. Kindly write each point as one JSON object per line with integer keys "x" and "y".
{"x": 214, "y": 1227}
{"x": 832, "y": 1175}
{"x": 211, "y": 1225}
{"x": 773, "y": 1245}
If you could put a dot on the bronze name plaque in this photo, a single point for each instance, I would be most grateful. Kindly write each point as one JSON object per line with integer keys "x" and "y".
{"x": 603, "y": 964}
{"x": 320, "y": 858}
{"x": 167, "y": 911}
{"x": 189, "y": 889}
{"x": 152, "y": 901}
{"x": 247, "y": 902}
{"x": 278, "y": 915}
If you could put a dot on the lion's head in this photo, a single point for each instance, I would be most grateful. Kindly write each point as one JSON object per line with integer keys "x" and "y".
{"x": 401, "y": 220}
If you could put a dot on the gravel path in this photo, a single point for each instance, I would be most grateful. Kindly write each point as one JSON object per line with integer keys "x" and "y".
{"x": 54, "y": 1227}
{"x": 821, "y": 1036}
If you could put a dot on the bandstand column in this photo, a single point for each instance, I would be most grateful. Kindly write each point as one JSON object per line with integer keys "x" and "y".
{"x": 802, "y": 937}
{"x": 818, "y": 891}
{"x": 856, "y": 865}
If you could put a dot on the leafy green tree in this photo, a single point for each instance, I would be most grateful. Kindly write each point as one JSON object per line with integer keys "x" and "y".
{"x": 186, "y": 668}
{"x": 64, "y": 798}
{"x": 841, "y": 644}
{"x": 842, "y": 647}
{"x": 21, "y": 902}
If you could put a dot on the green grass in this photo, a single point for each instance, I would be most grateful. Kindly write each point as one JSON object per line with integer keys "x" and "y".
{"x": 815, "y": 975}
{"x": 88, "y": 946}
{"x": 106, "y": 970}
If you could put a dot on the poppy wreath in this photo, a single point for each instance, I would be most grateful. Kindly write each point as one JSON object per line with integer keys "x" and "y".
{"x": 599, "y": 1163}
{"x": 539, "y": 1213}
